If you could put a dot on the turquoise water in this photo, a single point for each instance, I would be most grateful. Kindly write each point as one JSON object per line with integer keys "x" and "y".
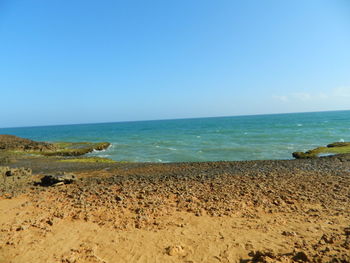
{"x": 206, "y": 139}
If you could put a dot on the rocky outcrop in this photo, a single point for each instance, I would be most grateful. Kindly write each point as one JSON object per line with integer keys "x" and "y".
{"x": 338, "y": 144}
{"x": 331, "y": 149}
{"x": 14, "y": 143}
{"x": 21, "y": 145}
{"x": 76, "y": 148}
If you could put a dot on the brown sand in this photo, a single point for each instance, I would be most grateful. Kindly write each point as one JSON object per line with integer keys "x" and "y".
{"x": 267, "y": 211}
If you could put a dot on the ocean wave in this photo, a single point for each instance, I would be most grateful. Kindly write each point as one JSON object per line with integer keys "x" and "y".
{"x": 98, "y": 151}
{"x": 101, "y": 151}
{"x": 104, "y": 155}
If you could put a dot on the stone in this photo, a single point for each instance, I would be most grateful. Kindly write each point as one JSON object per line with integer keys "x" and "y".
{"x": 119, "y": 198}
{"x": 58, "y": 184}
{"x": 301, "y": 256}
{"x": 54, "y": 180}
{"x": 175, "y": 250}
{"x": 289, "y": 233}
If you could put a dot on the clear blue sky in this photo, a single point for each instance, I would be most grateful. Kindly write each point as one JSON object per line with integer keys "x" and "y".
{"x": 100, "y": 61}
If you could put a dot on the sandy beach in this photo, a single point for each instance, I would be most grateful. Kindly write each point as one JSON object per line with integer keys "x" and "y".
{"x": 252, "y": 211}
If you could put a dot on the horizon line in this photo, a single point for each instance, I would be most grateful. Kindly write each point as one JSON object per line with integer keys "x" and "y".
{"x": 186, "y": 118}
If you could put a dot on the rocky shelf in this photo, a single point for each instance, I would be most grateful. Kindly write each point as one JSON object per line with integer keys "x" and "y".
{"x": 16, "y": 145}
{"x": 331, "y": 149}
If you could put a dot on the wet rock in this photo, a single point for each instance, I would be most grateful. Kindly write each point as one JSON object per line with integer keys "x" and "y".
{"x": 338, "y": 144}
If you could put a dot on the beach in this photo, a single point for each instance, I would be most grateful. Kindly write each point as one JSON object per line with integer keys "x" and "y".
{"x": 175, "y": 131}
{"x": 248, "y": 211}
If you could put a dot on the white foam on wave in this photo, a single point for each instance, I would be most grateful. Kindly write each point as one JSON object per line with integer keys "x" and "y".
{"x": 101, "y": 151}
{"x": 326, "y": 154}
{"x": 299, "y": 125}
{"x": 98, "y": 151}
{"x": 172, "y": 149}
{"x": 341, "y": 140}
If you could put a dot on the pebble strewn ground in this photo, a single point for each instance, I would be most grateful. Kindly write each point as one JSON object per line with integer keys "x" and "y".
{"x": 313, "y": 192}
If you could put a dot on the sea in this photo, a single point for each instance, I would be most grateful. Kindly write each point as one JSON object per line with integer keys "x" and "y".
{"x": 254, "y": 137}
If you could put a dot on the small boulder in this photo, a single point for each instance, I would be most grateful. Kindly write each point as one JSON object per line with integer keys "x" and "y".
{"x": 301, "y": 257}
{"x": 119, "y": 198}
{"x": 175, "y": 251}
{"x": 51, "y": 180}
{"x": 289, "y": 233}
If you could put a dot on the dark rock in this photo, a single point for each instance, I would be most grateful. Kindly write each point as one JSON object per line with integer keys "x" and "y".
{"x": 20, "y": 228}
{"x": 262, "y": 256}
{"x": 119, "y": 198}
{"x": 301, "y": 155}
{"x": 301, "y": 257}
{"x": 50, "y": 180}
{"x": 338, "y": 144}
{"x": 288, "y": 233}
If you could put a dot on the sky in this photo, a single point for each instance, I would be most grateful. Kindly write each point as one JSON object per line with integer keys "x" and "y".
{"x": 82, "y": 61}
